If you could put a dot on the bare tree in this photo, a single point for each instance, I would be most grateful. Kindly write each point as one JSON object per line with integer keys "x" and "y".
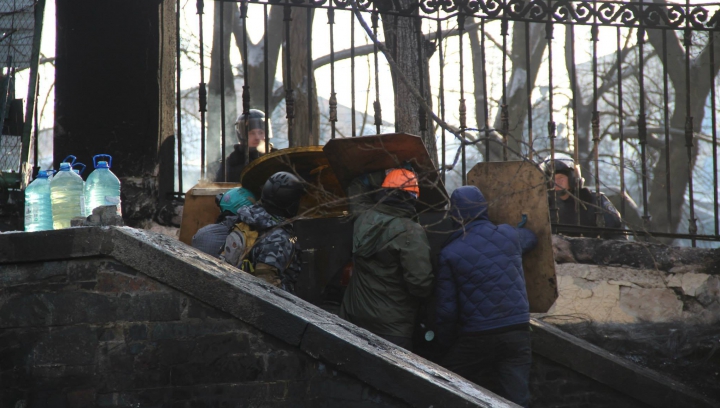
{"x": 517, "y": 95}
{"x": 680, "y": 164}
{"x": 214, "y": 85}
{"x": 411, "y": 52}
{"x": 303, "y": 111}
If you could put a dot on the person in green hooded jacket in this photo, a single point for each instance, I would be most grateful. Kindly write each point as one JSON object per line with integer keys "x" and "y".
{"x": 392, "y": 271}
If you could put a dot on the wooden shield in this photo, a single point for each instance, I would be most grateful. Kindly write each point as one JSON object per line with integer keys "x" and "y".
{"x": 353, "y": 156}
{"x": 325, "y": 196}
{"x": 200, "y": 208}
{"x": 513, "y": 189}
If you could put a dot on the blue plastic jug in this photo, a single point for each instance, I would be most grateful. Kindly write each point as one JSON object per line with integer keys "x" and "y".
{"x": 102, "y": 186}
{"x": 66, "y": 193}
{"x": 38, "y": 207}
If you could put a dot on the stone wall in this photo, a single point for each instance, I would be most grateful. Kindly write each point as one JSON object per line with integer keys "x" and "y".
{"x": 556, "y": 386}
{"x": 94, "y": 332}
{"x": 651, "y": 304}
{"x": 630, "y": 282}
{"x": 117, "y": 317}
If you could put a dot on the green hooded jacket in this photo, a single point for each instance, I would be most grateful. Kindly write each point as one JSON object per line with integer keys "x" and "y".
{"x": 391, "y": 272}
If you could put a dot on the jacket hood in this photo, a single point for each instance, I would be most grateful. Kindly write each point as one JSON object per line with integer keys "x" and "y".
{"x": 257, "y": 217}
{"x": 378, "y": 226}
{"x": 468, "y": 204}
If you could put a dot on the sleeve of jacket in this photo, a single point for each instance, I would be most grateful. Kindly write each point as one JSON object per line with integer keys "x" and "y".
{"x": 610, "y": 213}
{"x": 447, "y": 306}
{"x": 528, "y": 239}
{"x": 415, "y": 260}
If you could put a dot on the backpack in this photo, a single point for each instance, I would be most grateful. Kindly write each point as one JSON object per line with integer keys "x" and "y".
{"x": 238, "y": 245}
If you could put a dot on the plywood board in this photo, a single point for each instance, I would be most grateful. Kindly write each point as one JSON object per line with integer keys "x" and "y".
{"x": 352, "y": 157}
{"x": 200, "y": 208}
{"x": 513, "y": 189}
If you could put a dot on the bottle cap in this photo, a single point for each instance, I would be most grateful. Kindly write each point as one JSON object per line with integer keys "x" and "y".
{"x": 102, "y": 165}
{"x": 64, "y": 166}
{"x": 42, "y": 174}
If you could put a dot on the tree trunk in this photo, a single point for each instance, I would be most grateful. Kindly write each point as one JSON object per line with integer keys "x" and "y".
{"x": 407, "y": 46}
{"x": 582, "y": 112}
{"x": 214, "y": 146}
{"x": 257, "y": 66}
{"x": 680, "y": 164}
{"x": 305, "y": 117}
{"x": 517, "y": 88}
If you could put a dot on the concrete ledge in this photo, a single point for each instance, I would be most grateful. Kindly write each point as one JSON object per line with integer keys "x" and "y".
{"x": 346, "y": 346}
{"x": 41, "y": 246}
{"x": 317, "y": 333}
{"x": 643, "y": 384}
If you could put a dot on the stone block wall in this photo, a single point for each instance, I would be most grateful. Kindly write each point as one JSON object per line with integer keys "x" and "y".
{"x": 555, "y": 386}
{"x": 95, "y": 333}
{"x": 630, "y": 282}
{"x": 119, "y": 317}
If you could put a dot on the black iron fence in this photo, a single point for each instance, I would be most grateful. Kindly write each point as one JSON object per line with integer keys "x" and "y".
{"x": 627, "y": 89}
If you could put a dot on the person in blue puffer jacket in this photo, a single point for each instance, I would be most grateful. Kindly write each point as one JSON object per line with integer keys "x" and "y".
{"x": 482, "y": 304}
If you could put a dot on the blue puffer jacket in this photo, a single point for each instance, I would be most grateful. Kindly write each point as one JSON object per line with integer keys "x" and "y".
{"x": 481, "y": 285}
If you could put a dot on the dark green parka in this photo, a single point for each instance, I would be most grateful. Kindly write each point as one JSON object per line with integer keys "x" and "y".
{"x": 392, "y": 269}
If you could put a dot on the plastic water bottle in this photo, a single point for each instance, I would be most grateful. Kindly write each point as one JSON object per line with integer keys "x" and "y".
{"x": 38, "y": 208}
{"x": 78, "y": 168}
{"x": 102, "y": 186}
{"x": 66, "y": 192}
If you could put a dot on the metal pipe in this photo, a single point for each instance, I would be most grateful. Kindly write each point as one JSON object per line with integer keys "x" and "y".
{"x": 711, "y": 45}
{"x": 551, "y": 123}
{"x": 308, "y": 36}
{"x": 202, "y": 89}
{"x": 528, "y": 67}
{"x": 666, "y": 118}
{"x": 441, "y": 97}
{"x": 333, "y": 96}
{"x": 573, "y": 88}
{"x": 504, "y": 120}
{"x": 463, "y": 109}
{"x": 486, "y": 110}
{"x": 376, "y": 104}
{"x": 222, "y": 91}
{"x": 620, "y": 123}
{"x": 599, "y": 218}
{"x": 246, "y": 87}
{"x": 178, "y": 98}
{"x": 352, "y": 73}
{"x": 692, "y": 226}
{"x": 289, "y": 99}
{"x": 266, "y": 68}
{"x": 642, "y": 124}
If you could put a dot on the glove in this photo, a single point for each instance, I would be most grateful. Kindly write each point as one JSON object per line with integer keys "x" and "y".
{"x": 523, "y": 222}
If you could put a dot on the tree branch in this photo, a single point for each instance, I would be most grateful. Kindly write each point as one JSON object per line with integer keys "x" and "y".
{"x": 368, "y": 48}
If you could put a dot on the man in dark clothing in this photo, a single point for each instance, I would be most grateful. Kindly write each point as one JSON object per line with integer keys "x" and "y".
{"x": 273, "y": 255}
{"x": 564, "y": 193}
{"x": 250, "y": 138}
{"x": 391, "y": 257}
{"x": 482, "y": 301}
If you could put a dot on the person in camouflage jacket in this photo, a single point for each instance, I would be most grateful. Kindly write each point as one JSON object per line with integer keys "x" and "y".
{"x": 274, "y": 256}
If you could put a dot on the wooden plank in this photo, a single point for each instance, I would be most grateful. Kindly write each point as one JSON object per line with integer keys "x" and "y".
{"x": 513, "y": 189}
{"x": 352, "y": 157}
{"x": 200, "y": 208}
